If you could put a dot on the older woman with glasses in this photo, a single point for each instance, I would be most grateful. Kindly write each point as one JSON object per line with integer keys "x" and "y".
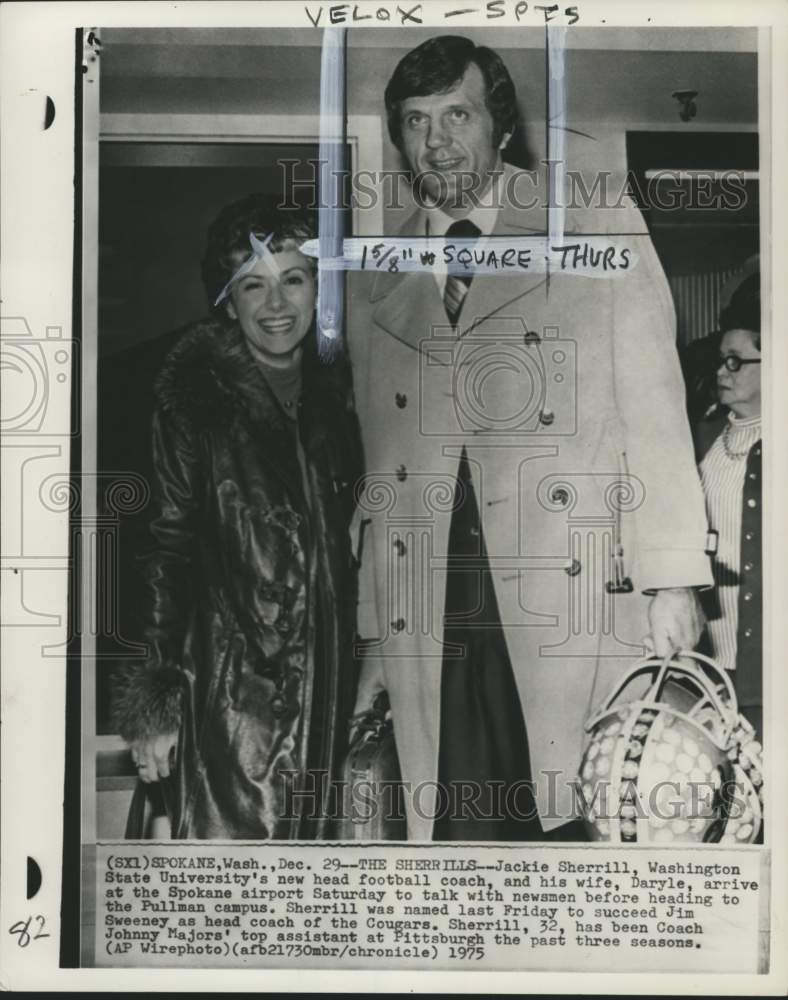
{"x": 731, "y": 473}
{"x": 244, "y": 696}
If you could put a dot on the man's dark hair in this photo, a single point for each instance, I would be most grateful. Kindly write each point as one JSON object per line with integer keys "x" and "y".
{"x": 228, "y": 237}
{"x": 743, "y": 312}
{"x": 438, "y": 65}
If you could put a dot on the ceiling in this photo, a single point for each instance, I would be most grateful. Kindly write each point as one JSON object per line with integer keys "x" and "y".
{"x": 613, "y": 74}
{"x": 690, "y": 39}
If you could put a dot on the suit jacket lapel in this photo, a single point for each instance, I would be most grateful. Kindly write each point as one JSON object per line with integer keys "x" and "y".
{"x": 409, "y": 306}
{"x": 412, "y": 310}
{"x": 489, "y": 294}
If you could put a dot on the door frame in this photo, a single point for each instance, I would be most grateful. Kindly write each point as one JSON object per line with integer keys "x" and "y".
{"x": 363, "y": 136}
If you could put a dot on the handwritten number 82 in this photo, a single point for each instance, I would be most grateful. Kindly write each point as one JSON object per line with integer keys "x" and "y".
{"x": 22, "y": 928}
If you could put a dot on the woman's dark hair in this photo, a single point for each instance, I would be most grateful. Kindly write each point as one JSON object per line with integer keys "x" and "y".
{"x": 228, "y": 237}
{"x": 436, "y": 66}
{"x": 743, "y": 312}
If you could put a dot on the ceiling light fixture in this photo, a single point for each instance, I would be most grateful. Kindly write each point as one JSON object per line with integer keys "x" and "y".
{"x": 687, "y": 106}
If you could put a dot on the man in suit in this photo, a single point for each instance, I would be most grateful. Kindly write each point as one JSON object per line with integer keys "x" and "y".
{"x": 531, "y": 507}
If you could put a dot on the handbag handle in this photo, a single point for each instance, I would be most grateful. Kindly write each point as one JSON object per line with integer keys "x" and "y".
{"x": 670, "y": 665}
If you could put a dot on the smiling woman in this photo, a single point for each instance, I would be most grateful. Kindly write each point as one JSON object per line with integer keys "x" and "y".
{"x": 274, "y": 304}
{"x": 248, "y": 677}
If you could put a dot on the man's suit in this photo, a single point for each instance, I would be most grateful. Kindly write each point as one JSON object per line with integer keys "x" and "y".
{"x": 556, "y": 390}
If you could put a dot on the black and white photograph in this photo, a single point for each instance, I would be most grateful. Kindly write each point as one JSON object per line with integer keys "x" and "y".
{"x": 418, "y": 535}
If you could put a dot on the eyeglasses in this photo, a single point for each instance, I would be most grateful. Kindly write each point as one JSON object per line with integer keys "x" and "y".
{"x": 732, "y": 362}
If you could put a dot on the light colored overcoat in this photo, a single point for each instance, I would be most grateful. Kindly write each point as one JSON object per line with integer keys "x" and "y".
{"x": 568, "y": 397}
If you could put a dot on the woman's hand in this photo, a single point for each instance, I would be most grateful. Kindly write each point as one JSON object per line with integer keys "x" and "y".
{"x": 152, "y": 756}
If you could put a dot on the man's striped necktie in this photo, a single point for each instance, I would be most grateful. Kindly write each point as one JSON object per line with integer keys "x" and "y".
{"x": 457, "y": 286}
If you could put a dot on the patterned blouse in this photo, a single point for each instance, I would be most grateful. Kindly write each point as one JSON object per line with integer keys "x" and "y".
{"x": 722, "y": 473}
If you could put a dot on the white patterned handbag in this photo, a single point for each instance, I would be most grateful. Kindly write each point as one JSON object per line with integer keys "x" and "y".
{"x": 677, "y": 764}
